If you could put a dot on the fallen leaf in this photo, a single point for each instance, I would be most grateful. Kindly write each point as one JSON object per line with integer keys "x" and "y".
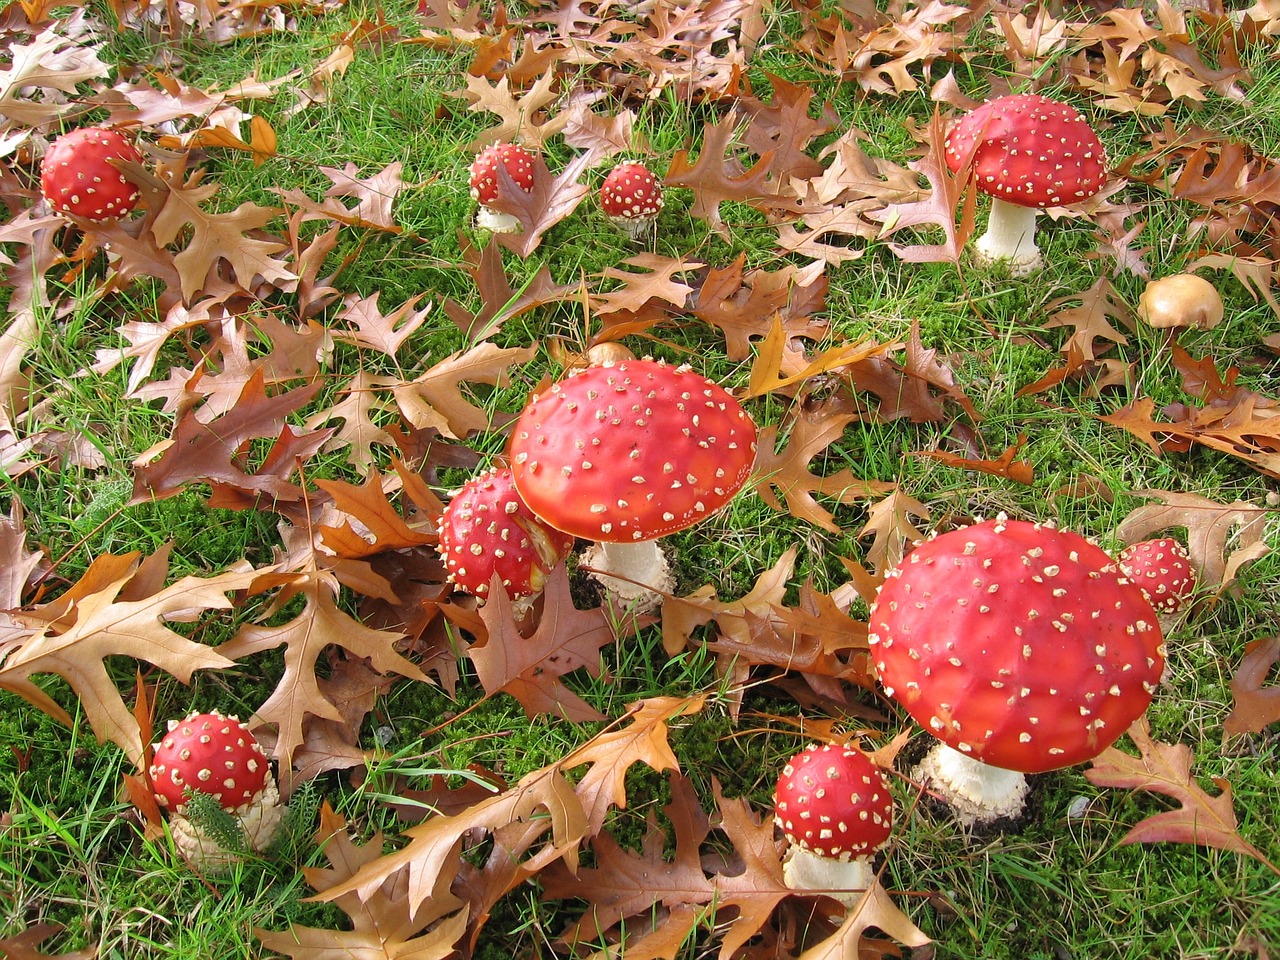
{"x": 1256, "y": 706}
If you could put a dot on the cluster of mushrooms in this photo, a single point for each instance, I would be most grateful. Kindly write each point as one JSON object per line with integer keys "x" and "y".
{"x": 1020, "y": 647}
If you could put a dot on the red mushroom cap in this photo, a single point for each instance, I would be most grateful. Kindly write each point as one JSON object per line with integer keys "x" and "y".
{"x": 487, "y": 529}
{"x": 1162, "y": 568}
{"x": 835, "y": 802}
{"x": 76, "y": 177}
{"x": 484, "y": 170}
{"x": 632, "y": 451}
{"x": 631, "y": 194}
{"x": 1020, "y": 645}
{"x": 1029, "y": 150}
{"x": 208, "y": 753}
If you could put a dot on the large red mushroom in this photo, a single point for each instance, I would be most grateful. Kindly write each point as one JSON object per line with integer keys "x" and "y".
{"x": 626, "y": 453}
{"x": 836, "y": 810}
{"x": 217, "y": 755}
{"x": 1028, "y": 152}
{"x": 1021, "y": 647}
{"x": 487, "y": 529}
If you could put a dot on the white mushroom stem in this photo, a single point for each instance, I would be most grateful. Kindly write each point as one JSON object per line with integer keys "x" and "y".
{"x": 1011, "y": 238}
{"x": 496, "y": 221}
{"x": 636, "y": 573}
{"x": 977, "y": 792}
{"x": 845, "y": 880}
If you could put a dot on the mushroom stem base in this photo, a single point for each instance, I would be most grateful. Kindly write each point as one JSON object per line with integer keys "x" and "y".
{"x": 845, "y": 880}
{"x": 635, "y": 573}
{"x": 496, "y": 221}
{"x": 977, "y": 792}
{"x": 1010, "y": 239}
{"x": 260, "y": 818}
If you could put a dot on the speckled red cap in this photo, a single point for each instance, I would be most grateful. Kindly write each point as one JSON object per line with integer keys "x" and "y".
{"x": 487, "y": 529}
{"x": 77, "y": 178}
{"x": 835, "y": 802}
{"x": 208, "y": 753}
{"x": 1029, "y": 150}
{"x": 632, "y": 451}
{"x": 631, "y": 193}
{"x": 483, "y": 173}
{"x": 1020, "y": 645}
{"x": 1162, "y": 568}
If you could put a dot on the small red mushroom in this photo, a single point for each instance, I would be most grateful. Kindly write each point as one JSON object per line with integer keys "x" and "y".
{"x": 486, "y": 529}
{"x": 484, "y": 179}
{"x": 1028, "y": 152}
{"x": 1162, "y": 568}
{"x": 77, "y": 178}
{"x": 836, "y": 810}
{"x": 1021, "y": 647}
{"x": 217, "y": 755}
{"x": 625, "y": 453}
{"x": 631, "y": 197}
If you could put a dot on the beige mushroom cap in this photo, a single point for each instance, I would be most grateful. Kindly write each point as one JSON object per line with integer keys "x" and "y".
{"x": 1181, "y": 300}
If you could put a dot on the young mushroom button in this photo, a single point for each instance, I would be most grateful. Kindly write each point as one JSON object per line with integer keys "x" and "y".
{"x": 486, "y": 529}
{"x": 217, "y": 755}
{"x": 1021, "y": 647}
{"x": 78, "y": 179}
{"x": 623, "y": 454}
{"x": 631, "y": 198}
{"x": 1162, "y": 568}
{"x": 835, "y": 808}
{"x": 484, "y": 183}
{"x": 1028, "y": 152}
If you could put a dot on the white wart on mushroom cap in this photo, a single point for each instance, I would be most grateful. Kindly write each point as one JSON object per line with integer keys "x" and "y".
{"x": 1029, "y": 150}
{"x": 487, "y": 529}
{"x": 1019, "y": 645}
{"x": 631, "y": 452}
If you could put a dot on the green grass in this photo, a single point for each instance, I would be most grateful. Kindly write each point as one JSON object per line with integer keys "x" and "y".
{"x": 1062, "y": 885}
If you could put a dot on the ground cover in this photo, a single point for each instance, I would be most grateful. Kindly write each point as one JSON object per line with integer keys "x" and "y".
{"x": 230, "y": 422}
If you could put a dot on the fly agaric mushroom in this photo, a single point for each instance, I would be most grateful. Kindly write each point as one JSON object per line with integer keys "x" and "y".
{"x": 1021, "y": 647}
{"x": 484, "y": 179}
{"x": 1162, "y": 568}
{"x": 835, "y": 808}
{"x": 625, "y": 453}
{"x": 486, "y": 529}
{"x": 1180, "y": 300}
{"x": 631, "y": 198}
{"x": 1027, "y": 152}
{"x": 216, "y": 755}
{"x": 77, "y": 178}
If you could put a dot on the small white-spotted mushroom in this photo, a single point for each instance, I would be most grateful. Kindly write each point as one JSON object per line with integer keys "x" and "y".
{"x": 1021, "y": 647}
{"x": 631, "y": 197}
{"x": 1028, "y": 152}
{"x": 492, "y": 165}
{"x": 1162, "y": 568}
{"x": 216, "y": 755}
{"x": 486, "y": 529}
{"x": 836, "y": 810}
{"x": 78, "y": 179}
{"x": 625, "y": 453}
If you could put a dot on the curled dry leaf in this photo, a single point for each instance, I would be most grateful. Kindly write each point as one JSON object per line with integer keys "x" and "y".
{"x": 1257, "y": 706}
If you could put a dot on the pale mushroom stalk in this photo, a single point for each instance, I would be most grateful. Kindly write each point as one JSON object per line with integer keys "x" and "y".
{"x": 845, "y": 880}
{"x": 975, "y": 791}
{"x": 630, "y": 571}
{"x": 1010, "y": 237}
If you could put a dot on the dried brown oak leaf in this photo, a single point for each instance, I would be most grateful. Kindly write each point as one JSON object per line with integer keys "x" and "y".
{"x": 523, "y": 115}
{"x": 373, "y": 195}
{"x": 383, "y": 927}
{"x": 1165, "y": 768}
{"x": 543, "y": 800}
{"x": 947, "y": 200}
{"x": 371, "y": 329}
{"x": 785, "y": 474}
{"x": 26, "y": 945}
{"x": 782, "y": 365}
{"x": 435, "y": 399}
{"x": 549, "y": 201}
{"x": 531, "y": 668}
{"x": 1092, "y": 316}
{"x": 49, "y": 61}
{"x": 1256, "y": 706}
{"x": 891, "y": 529}
{"x": 500, "y": 301}
{"x": 104, "y": 619}
{"x": 718, "y": 176}
{"x": 1006, "y": 465}
{"x": 297, "y": 696}
{"x": 1221, "y": 537}
{"x": 745, "y": 305}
